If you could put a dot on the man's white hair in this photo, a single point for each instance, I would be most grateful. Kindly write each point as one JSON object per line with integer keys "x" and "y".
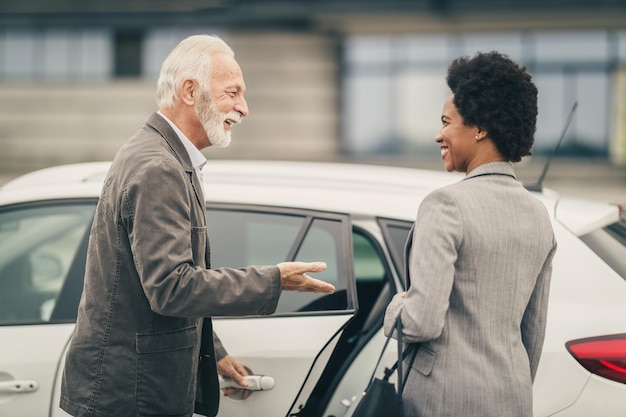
{"x": 191, "y": 58}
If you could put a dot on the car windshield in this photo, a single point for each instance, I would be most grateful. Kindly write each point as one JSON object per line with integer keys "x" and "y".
{"x": 609, "y": 243}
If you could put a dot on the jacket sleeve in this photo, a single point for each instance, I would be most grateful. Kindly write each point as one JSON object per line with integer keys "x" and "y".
{"x": 168, "y": 245}
{"x": 436, "y": 237}
{"x": 535, "y": 316}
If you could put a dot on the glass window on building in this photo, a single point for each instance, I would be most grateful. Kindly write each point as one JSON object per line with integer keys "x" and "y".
{"x": 55, "y": 54}
{"x": 394, "y": 86}
{"x": 128, "y": 49}
{"x": 18, "y": 54}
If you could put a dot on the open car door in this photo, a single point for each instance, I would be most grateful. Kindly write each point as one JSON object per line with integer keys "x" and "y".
{"x": 291, "y": 348}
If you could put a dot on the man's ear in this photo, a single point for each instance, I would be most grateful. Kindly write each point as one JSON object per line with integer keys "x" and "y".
{"x": 188, "y": 92}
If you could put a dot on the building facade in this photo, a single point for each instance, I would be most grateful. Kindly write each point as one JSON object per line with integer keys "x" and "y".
{"x": 326, "y": 79}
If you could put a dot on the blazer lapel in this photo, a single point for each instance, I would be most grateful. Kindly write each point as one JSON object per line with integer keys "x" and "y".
{"x": 159, "y": 124}
{"x": 197, "y": 187}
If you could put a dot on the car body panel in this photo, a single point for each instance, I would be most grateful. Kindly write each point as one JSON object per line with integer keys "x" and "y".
{"x": 31, "y": 353}
{"x": 284, "y": 348}
{"x": 581, "y": 216}
{"x": 587, "y": 296}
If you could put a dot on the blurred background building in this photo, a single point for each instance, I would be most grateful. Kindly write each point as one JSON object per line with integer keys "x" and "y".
{"x": 339, "y": 80}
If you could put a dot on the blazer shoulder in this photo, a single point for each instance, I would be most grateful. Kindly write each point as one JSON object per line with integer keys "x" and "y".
{"x": 445, "y": 199}
{"x": 448, "y": 193}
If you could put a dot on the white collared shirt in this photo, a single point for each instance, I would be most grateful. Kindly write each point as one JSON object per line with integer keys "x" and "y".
{"x": 198, "y": 160}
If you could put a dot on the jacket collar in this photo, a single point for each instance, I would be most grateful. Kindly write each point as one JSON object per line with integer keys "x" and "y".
{"x": 161, "y": 125}
{"x": 492, "y": 168}
{"x": 164, "y": 129}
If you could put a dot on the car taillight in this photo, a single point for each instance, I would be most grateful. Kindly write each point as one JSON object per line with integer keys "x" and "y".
{"x": 604, "y": 355}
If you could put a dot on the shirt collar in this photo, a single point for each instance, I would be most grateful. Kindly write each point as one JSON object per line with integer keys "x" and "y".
{"x": 198, "y": 160}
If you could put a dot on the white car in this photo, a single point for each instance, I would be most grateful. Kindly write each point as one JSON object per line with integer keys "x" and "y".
{"x": 315, "y": 355}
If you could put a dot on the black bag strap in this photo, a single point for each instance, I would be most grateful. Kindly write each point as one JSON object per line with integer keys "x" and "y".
{"x": 401, "y": 356}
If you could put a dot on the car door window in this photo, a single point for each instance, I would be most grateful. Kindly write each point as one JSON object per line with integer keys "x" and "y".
{"x": 369, "y": 269}
{"x": 38, "y": 246}
{"x": 395, "y": 233}
{"x": 242, "y": 236}
{"x": 373, "y": 282}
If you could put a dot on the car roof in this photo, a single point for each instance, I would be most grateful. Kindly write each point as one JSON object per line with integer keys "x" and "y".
{"x": 357, "y": 189}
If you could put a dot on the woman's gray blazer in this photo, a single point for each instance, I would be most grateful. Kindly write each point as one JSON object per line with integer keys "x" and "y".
{"x": 479, "y": 265}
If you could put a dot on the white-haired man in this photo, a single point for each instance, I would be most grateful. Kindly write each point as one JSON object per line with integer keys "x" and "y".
{"x": 140, "y": 347}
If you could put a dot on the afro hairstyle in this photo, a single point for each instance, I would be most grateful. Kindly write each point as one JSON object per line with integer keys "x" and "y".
{"x": 496, "y": 94}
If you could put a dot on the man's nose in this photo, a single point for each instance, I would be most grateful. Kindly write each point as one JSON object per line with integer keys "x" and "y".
{"x": 242, "y": 107}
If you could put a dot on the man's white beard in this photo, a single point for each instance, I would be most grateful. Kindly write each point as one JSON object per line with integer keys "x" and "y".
{"x": 213, "y": 121}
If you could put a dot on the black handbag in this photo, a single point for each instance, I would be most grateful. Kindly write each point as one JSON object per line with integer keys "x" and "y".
{"x": 380, "y": 398}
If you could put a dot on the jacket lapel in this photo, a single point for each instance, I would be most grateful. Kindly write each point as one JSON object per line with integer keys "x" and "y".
{"x": 165, "y": 130}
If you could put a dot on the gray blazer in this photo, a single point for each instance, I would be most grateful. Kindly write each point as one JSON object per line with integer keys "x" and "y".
{"x": 479, "y": 262}
{"x": 136, "y": 345}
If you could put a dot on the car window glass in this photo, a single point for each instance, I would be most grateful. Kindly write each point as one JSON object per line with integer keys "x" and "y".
{"x": 241, "y": 238}
{"x": 37, "y": 248}
{"x": 245, "y": 237}
{"x": 372, "y": 279}
{"x": 609, "y": 243}
{"x": 322, "y": 242}
{"x": 395, "y": 233}
{"x": 368, "y": 266}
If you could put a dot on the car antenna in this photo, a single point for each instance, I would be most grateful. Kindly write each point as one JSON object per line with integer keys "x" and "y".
{"x": 538, "y": 186}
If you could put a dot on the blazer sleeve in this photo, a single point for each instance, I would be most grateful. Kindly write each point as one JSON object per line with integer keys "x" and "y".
{"x": 437, "y": 236}
{"x": 535, "y": 316}
{"x": 165, "y": 245}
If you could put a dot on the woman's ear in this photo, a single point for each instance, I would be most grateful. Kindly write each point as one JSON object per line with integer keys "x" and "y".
{"x": 480, "y": 134}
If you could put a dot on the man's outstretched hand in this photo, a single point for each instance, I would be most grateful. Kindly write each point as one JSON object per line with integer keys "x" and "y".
{"x": 293, "y": 277}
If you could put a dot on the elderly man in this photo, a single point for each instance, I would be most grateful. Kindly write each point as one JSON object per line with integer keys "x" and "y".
{"x": 140, "y": 346}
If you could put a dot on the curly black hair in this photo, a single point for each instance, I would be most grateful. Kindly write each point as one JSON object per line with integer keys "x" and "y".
{"x": 497, "y": 95}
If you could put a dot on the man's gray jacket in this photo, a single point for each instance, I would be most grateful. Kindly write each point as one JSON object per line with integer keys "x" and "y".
{"x": 135, "y": 350}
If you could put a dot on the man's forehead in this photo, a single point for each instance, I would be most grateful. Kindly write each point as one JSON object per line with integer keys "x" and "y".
{"x": 224, "y": 65}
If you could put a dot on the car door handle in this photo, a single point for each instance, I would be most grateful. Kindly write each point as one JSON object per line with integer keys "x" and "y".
{"x": 255, "y": 383}
{"x": 18, "y": 386}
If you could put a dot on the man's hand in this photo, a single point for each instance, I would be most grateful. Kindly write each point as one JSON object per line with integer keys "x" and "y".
{"x": 293, "y": 277}
{"x": 229, "y": 367}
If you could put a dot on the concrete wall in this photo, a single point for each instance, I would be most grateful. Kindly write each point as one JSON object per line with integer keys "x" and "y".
{"x": 292, "y": 93}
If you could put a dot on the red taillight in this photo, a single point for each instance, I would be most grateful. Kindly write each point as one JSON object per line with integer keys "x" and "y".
{"x": 604, "y": 355}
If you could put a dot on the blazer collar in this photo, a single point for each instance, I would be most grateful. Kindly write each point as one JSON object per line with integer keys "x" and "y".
{"x": 492, "y": 168}
{"x": 159, "y": 124}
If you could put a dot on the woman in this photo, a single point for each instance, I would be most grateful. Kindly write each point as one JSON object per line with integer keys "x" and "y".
{"x": 479, "y": 255}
